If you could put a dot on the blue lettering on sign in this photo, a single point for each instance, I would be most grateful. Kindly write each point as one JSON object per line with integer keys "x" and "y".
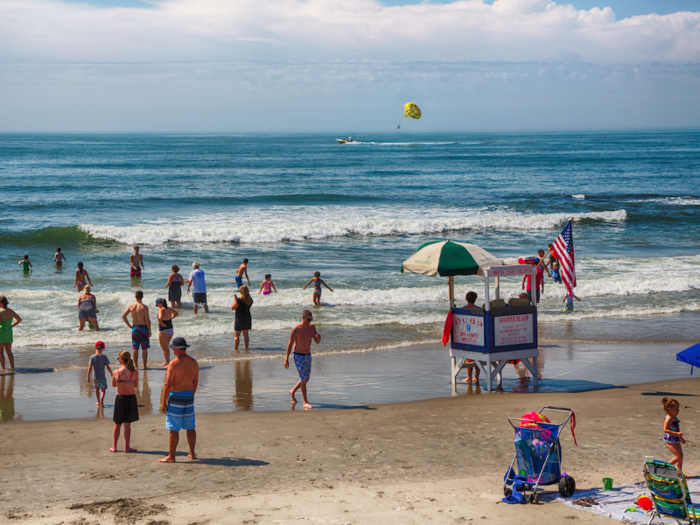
{"x": 469, "y": 328}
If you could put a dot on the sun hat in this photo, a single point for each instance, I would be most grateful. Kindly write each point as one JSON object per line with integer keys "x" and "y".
{"x": 179, "y": 343}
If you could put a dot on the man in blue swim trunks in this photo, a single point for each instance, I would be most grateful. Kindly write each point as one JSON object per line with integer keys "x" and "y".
{"x": 300, "y": 341}
{"x": 242, "y": 270}
{"x": 140, "y": 328}
{"x": 181, "y": 381}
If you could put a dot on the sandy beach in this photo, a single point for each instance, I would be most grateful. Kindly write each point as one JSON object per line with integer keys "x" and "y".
{"x": 438, "y": 461}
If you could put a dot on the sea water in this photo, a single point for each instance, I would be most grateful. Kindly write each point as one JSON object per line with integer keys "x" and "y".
{"x": 295, "y": 204}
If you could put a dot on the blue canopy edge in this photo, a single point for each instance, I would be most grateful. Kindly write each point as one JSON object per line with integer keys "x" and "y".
{"x": 691, "y": 356}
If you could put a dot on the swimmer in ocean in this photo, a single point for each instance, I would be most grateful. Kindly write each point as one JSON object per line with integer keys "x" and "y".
{"x": 317, "y": 282}
{"x": 136, "y": 260}
{"x": 26, "y": 265}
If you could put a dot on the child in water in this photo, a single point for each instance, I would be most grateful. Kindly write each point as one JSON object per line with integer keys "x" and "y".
{"x": 126, "y": 409}
{"x": 569, "y": 300}
{"x": 673, "y": 437}
{"x": 267, "y": 285}
{"x": 26, "y": 264}
{"x": 555, "y": 273}
{"x": 318, "y": 282}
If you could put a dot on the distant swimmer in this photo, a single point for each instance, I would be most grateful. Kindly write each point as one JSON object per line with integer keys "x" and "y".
{"x": 87, "y": 309}
{"x": 242, "y": 270}
{"x": 58, "y": 258}
{"x": 267, "y": 286}
{"x": 140, "y": 328}
{"x": 136, "y": 260}
{"x": 300, "y": 342}
{"x": 81, "y": 277}
{"x": 6, "y": 326}
{"x": 317, "y": 282}
{"x": 26, "y": 264}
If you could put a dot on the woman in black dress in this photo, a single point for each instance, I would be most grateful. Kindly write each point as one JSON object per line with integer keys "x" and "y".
{"x": 242, "y": 305}
{"x": 174, "y": 286}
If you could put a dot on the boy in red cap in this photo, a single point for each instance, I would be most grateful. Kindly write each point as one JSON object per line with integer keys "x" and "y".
{"x": 98, "y": 363}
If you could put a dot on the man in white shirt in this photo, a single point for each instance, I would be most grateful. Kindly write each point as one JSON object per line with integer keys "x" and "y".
{"x": 199, "y": 287}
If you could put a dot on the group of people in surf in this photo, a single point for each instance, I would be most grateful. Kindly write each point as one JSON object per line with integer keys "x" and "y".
{"x": 140, "y": 323}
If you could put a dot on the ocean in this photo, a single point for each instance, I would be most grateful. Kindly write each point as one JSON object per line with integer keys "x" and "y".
{"x": 295, "y": 204}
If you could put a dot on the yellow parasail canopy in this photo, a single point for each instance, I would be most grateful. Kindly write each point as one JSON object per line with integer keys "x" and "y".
{"x": 411, "y": 110}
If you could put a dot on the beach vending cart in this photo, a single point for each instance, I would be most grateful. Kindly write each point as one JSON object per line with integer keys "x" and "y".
{"x": 487, "y": 337}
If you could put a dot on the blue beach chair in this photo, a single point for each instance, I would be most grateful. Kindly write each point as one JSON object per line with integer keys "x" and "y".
{"x": 669, "y": 493}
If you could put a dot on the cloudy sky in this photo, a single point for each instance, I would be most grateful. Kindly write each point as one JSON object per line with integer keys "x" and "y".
{"x": 348, "y": 66}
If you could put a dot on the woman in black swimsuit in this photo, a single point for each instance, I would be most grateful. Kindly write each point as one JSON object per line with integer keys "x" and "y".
{"x": 244, "y": 321}
{"x": 174, "y": 286}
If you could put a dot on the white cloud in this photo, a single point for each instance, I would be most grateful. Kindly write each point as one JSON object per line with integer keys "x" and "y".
{"x": 467, "y": 30}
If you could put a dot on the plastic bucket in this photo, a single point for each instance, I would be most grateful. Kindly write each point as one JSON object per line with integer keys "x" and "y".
{"x": 607, "y": 483}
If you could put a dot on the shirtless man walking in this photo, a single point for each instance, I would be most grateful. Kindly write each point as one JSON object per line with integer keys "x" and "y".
{"x": 300, "y": 341}
{"x": 136, "y": 260}
{"x": 181, "y": 381}
{"x": 242, "y": 270}
{"x": 140, "y": 328}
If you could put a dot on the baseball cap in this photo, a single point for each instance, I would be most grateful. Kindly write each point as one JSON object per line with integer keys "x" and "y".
{"x": 159, "y": 300}
{"x": 179, "y": 342}
{"x": 99, "y": 344}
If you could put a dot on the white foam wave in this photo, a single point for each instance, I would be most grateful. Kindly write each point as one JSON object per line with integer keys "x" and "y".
{"x": 674, "y": 201}
{"x": 582, "y": 314}
{"x": 284, "y": 223}
{"x": 578, "y": 197}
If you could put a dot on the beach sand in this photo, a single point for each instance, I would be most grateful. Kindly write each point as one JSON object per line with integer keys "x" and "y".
{"x": 438, "y": 461}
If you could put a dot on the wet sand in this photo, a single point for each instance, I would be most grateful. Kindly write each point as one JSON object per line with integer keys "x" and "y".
{"x": 341, "y": 380}
{"x": 438, "y": 461}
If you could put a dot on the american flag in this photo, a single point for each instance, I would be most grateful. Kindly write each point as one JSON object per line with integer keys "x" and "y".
{"x": 564, "y": 252}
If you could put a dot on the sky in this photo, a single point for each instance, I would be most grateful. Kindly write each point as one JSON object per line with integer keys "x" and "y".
{"x": 308, "y": 66}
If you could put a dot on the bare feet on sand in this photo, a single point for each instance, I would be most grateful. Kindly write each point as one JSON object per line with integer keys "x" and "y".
{"x": 294, "y": 399}
{"x": 307, "y": 406}
{"x": 98, "y": 404}
{"x": 113, "y": 449}
{"x": 192, "y": 456}
{"x": 130, "y": 450}
{"x": 166, "y": 459}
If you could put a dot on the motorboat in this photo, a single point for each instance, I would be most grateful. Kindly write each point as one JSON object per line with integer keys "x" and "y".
{"x": 346, "y": 141}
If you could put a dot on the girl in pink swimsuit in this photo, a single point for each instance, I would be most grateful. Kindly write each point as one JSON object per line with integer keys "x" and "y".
{"x": 126, "y": 410}
{"x": 267, "y": 285}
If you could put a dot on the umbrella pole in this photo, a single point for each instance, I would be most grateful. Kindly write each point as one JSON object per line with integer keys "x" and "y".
{"x": 451, "y": 281}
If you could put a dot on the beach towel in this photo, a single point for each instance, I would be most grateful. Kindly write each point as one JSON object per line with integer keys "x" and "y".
{"x": 614, "y": 503}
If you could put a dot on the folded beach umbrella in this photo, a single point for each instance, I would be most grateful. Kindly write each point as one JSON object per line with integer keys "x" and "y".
{"x": 691, "y": 356}
{"x": 449, "y": 258}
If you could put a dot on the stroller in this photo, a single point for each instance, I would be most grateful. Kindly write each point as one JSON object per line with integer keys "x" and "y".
{"x": 538, "y": 455}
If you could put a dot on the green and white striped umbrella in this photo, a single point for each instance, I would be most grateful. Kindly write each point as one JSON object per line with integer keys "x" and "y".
{"x": 449, "y": 258}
